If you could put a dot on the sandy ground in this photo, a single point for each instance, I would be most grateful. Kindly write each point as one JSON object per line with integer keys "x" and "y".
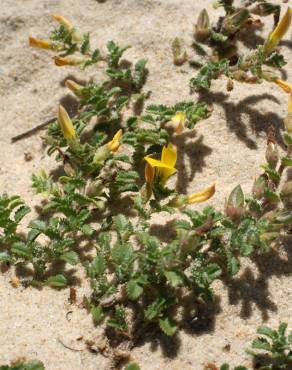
{"x": 227, "y": 149}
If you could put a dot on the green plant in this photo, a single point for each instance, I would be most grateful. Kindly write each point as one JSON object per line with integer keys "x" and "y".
{"x": 133, "y": 272}
{"x": 224, "y": 59}
{"x": 34, "y": 365}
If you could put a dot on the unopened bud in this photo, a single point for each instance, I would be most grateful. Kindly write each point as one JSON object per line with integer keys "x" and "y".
{"x": 179, "y": 55}
{"x": 94, "y": 188}
{"x": 235, "y": 204}
{"x": 69, "y": 61}
{"x": 74, "y": 87}
{"x": 279, "y": 32}
{"x": 179, "y": 120}
{"x": 272, "y": 155}
{"x": 66, "y": 124}
{"x": 41, "y": 44}
{"x": 202, "y": 28}
{"x": 286, "y": 193}
{"x": 259, "y": 187}
{"x": 233, "y": 22}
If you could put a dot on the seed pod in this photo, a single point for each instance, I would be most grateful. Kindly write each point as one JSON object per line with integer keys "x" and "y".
{"x": 272, "y": 155}
{"x": 235, "y": 204}
{"x": 259, "y": 187}
{"x": 202, "y": 28}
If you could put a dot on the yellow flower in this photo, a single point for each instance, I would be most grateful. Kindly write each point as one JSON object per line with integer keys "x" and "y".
{"x": 165, "y": 166}
{"x": 201, "y": 196}
{"x": 290, "y": 103}
{"x": 279, "y": 32}
{"x": 68, "y": 61}
{"x": 149, "y": 173}
{"x": 114, "y": 144}
{"x": 66, "y": 124}
{"x": 179, "y": 120}
{"x": 37, "y": 43}
{"x": 74, "y": 87}
{"x": 284, "y": 85}
{"x": 59, "y": 18}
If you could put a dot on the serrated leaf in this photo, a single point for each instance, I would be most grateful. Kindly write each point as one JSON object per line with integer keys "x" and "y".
{"x": 20, "y": 249}
{"x": 232, "y": 265}
{"x": 57, "y": 281}
{"x": 70, "y": 257}
{"x": 174, "y": 278}
{"x": 97, "y": 313}
{"x": 20, "y": 213}
{"x": 134, "y": 290}
{"x": 167, "y": 326}
{"x": 261, "y": 343}
{"x": 98, "y": 266}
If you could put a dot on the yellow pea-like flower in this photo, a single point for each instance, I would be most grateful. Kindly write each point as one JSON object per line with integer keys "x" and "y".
{"x": 59, "y": 18}
{"x": 114, "y": 144}
{"x": 284, "y": 85}
{"x": 179, "y": 120}
{"x": 66, "y": 124}
{"x": 69, "y": 61}
{"x": 38, "y": 43}
{"x": 279, "y": 32}
{"x": 165, "y": 167}
{"x": 201, "y": 196}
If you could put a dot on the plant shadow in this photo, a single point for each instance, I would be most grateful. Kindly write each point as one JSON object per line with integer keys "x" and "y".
{"x": 258, "y": 122}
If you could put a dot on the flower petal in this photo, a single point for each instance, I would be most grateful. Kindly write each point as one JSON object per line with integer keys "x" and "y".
{"x": 156, "y": 163}
{"x": 284, "y": 85}
{"x": 279, "y": 32}
{"x": 169, "y": 155}
{"x": 66, "y": 124}
{"x": 201, "y": 196}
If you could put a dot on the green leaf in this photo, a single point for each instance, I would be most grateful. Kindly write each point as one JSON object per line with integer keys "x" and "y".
{"x": 20, "y": 249}
{"x": 167, "y": 326}
{"x": 134, "y": 290}
{"x": 70, "y": 257}
{"x": 132, "y": 366}
{"x": 20, "y": 213}
{"x": 208, "y": 72}
{"x": 98, "y": 266}
{"x": 97, "y": 313}
{"x": 261, "y": 343}
{"x": 264, "y": 330}
{"x": 57, "y": 281}
{"x": 286, "y": 161}
{"x": 287, "y": 138}
{"x": 4, "y": 257}
{"x": 174, "y": 278}
{"x": 232, "y": 265}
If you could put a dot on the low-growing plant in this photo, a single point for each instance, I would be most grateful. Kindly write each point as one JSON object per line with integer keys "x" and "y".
{"x": 115, "y": 173}
{"x": 218, "y": 51}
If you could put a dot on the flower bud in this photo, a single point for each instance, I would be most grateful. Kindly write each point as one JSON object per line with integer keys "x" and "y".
{"x": 288, "y": 119}
{"x": 286, "y": 193}
{"x": 114, "y": 144}
{"x": 202, "y": 28}
{"x": 259, "y": 187}
{"x": 278, "y": 33}
{"x": 94, "y": 188}
{"x": 235, "y": 204}
{"x": 179, "y": 56}
{"x": 179, "y": 120}
{"x": 284, "y": 85}
{"x": 269, "y": 76}
{"x": 272, "y": 155}
{"x": 233, "y": 22}
{"x": 71, "y": 60}
{"x": 42, "y": 44}
{"x": 74, "y": 87}
{"x": 66, "y": 124}
{"x": 201, "y": 196}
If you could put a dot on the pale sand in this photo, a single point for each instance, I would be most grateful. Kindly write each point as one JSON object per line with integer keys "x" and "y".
{"x": 227, "y": 149}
